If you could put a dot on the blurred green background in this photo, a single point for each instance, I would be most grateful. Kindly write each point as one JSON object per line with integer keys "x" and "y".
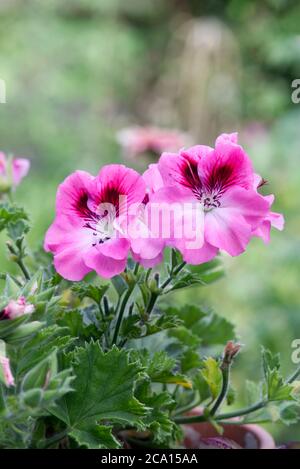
{"x": 77, "y": 71}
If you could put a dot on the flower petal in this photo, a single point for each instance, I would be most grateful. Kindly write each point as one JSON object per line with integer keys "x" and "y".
{"x": 106, "y": 267}
{"x": 20, "y": 168}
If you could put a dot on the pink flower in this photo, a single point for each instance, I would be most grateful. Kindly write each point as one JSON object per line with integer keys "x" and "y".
{"x": 89, "y": 231}
{"x": 12, "y": 171}
{"x": 15, "y": 309}
{"x": 139, "y": 140}
{"x": 147, "y": 248}
{"x": 5, "y": 371}
{"x": 274, "y": 219}
{"x": 221, "y": 184}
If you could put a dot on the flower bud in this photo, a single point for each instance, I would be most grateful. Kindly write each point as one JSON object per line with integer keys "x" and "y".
{"x": 17, "y": 308}
{"x": 12, "y": 171}
{"x": 6, "y": 375}
{"x": 230, "y": 352}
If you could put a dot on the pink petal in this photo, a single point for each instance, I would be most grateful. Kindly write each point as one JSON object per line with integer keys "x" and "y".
{"x": 248, "y": 203}
{"x": 148, "y": 263}
{"x": 3, "y": 164}
{"x": 20, "y": 168}
{"x": 153, "y": 178}
{"x": 116, "y": 248}
{"x": 6, "y": 371}
{"x": 181, "y": 169}
{"x": 227, "y": 231}
{"x": 227, "y": 166}
{"x": 69, "y": 263}
{"x": 72, "y": 196}
{"x": 225, "y": 138}
{"x": 197, "y": 256}
{"x": 106, "y": 267}
{"x": 128, "y": 182}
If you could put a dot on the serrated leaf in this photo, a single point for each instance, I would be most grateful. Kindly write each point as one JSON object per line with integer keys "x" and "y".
{"x": 14, "y": 219}
{"x": 200, "y": 325}
{"x": 277, "y": 389}
{"x": 40, "y": 346}
{"x": 189, "y": 360}
{"x": 95, "y": 436}
{"x": 103, "y": 388}
{"x": 88, "y": 290}
{"x": 203, "y": 274}
{"x": 270, "y": 361}
{"x": 158, "y": 420}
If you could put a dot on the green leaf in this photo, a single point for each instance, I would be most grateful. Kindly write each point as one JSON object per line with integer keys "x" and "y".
{"x": 213, "y": 376}
{"x": 200, "y": 326}
{"x": 203, "y": 274}
{"x": 190, "y": 359}
{"x": 200, "y": 384}
{"x": 275, "y": 387}
{"x": 277, "y": 390}
{"x": 88, "y": 290}
{"x": 160, "y": 368}
{"x": 40, "y": 346}
{"x": 104, "y": 388}
{"x": 95, "y": 437}
{"x": 119, "y": 284}
{"x": 158, "y": 420}
{"x": 14, "y": 219}
{"x": 270, "y": 361}
{"x": 253, "y": 392}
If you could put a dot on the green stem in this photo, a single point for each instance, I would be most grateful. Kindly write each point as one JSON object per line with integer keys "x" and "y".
{"x": 155, "y": 296}
{"x": 227, "y": 416}
{"x": 293, "y": 376}
{"x": 121, "y": 314}
{"x": 225, "y": 368}
{"x": 54, "y": 439}
{"x": 172, "y": 275}
{"x": 23, "y": 268}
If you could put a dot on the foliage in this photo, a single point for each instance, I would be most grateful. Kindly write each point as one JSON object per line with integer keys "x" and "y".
{"x": 84, "y": 376}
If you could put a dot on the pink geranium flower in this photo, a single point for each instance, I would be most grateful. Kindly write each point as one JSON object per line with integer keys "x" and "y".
{"x": 5, "y": 371}
{"x": 147, "y": 248}
{"x": 12, "y": 170}
{"x": 221, "y": 182}
{"x": 274, "y": 219}
{"x": 89, "y": 231}
{"x": 139, "y": 140}
{"x": 15, "y": 309}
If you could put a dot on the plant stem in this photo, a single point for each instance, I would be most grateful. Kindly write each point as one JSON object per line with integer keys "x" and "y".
{"x": 18, "y": 259}
{"x": 121, "y": 313}
{"x": 293, "y": 376}
{"x": 229, "y": 415}
{"x": 236, "y": 413}
{"x": 123, "y": 306}
{"x": 23, "y": 268}
{"x": 54, "y": 439}
{"x": 172, "y": 275}
{"x": 154, "y": 296}
{"x": 225, "y": 368}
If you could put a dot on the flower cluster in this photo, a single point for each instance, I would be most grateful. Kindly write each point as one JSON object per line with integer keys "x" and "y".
{"x": 201, "y": 200}
{"x": 137, "y": 141}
